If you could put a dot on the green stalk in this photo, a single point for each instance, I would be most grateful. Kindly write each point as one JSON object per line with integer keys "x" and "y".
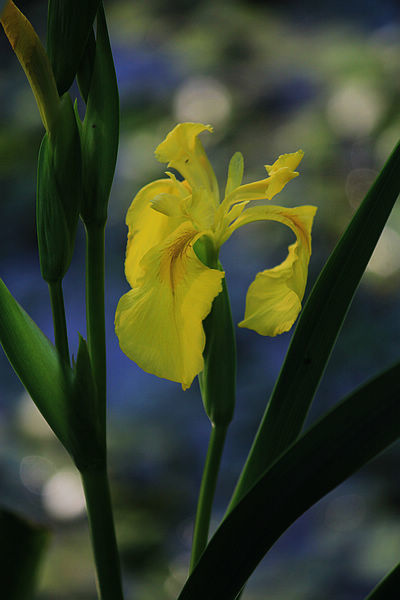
{"x": 59, "y": 322}
{"x": 102, "y": 533}
{"x": 207, "y": 491}
{"x": 95, "y": 317}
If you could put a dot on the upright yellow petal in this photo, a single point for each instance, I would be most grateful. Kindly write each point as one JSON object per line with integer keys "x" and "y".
{"x": 286, "y": 161}
{"x": 274, "y": 298}
{"x": 147, "y": 226}
{"x": 280, "y": 173}
{"x": 159, "y": 322}
{"x": 183, "y": 151}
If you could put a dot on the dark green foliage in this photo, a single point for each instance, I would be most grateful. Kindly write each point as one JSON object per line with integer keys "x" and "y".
{"x": 68, "y": 27}
{"x": 388, "y": 588}
{"x": 66, "y": 397}
{"x": 21, "y": 549}
{"x": 353, "y": 433}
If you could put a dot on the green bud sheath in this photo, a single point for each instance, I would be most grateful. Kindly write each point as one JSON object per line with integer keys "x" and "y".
{"x": 52, "y": 230}
{"x": 86, "y": 67}
{"x": 58, "y": 193}
{"x": 33, "y": 59}
{"x": 100, "y": 129}
{"x": 218, "y": 378}
{"x": 85, "y": 422}
{"x": 68, "y": 27}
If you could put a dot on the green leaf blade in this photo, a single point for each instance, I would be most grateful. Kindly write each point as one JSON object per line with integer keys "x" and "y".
{"x": 319, "y": 326}
{"x": 388, "y": 588}
{"x": 344, "y": 440}
{"x": 65, "y": 397}
{"x": 36, "y": 362}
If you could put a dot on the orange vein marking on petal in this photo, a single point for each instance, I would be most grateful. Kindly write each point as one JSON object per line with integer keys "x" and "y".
{"x": 172, "y": 270}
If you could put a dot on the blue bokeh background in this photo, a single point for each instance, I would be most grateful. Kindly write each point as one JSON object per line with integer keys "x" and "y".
{"x": 271, "y": 77}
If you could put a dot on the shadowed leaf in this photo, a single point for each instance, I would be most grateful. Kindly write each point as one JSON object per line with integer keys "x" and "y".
{"x": 353, "y": 433}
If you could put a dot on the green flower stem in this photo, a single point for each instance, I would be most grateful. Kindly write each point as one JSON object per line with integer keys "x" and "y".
{"x": 207, "y": 490}
{"x": 102, "y": 532}
{"x": 95, "y": 317}
{"x": 59, "y": 322}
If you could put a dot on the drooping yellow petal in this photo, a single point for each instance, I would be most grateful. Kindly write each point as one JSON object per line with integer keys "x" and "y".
{"x": 183, "y": 151}
{"x": 33, "y": 59}
{"x": 159, "y": 322}
{"x": 274, "y": 298}
{"x": 147, "y": 226}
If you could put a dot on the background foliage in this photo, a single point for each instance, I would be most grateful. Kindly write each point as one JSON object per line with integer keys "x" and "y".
{"x": 271, "y": 78}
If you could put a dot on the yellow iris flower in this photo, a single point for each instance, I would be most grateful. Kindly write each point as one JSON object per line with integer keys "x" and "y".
{"x": 159, "y": 321}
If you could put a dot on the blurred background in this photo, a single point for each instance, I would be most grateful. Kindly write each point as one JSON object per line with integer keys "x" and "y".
{"x": 271, "y": 77}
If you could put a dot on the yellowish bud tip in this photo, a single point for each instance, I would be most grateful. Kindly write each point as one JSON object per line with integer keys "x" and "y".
{"x": 33, "y": 58}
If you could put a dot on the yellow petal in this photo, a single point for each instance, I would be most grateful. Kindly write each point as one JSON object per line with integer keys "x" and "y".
{"x": 167, "y": 205}
{"x": 148, "y": 227}
{"x": 282, "y": 171}
{"x": 288, "y": 161}
{"x": 159, "y": 322}
{"x": 274, "y": 298}
{"x": 235, "y": 173}
{"x": 183, "y": 151}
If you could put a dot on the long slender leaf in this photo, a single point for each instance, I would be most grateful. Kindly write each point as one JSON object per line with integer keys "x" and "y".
{"x": 319, "y": 326}
{"x": 36, "y": 362}
{"x": 353, "y": 433}
{"x": 388, "y": 588}
{"x": 65, "y": 397}
{"x": 21, "y": 549}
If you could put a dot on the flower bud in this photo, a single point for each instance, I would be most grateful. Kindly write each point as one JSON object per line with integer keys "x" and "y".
{"x": 58, "y": 193}
{"x": 68, "y": 28}
{"x": 100, "y": 128}
{"x": 32, "y": 56}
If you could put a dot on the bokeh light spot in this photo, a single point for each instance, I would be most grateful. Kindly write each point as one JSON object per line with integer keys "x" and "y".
{"x": 345, "y": 513}
{"x": 354, "y": 109}
{"x": 34, "y": 471}
{"x": 202, "y": 99}
{"x": 63, "y": 495}
{"x": 357, "y": 185}
{"x": 385, "y": 259}
{"x": 30, "y": 421}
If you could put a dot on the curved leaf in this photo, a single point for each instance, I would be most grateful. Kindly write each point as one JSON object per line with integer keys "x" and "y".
{"x": 388, "y": 588}
{"x": 345, "y": 439}
{"x": 35, "y": 360}
{"x": 65, "y": 397}
{"x": 319, "y": 326}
